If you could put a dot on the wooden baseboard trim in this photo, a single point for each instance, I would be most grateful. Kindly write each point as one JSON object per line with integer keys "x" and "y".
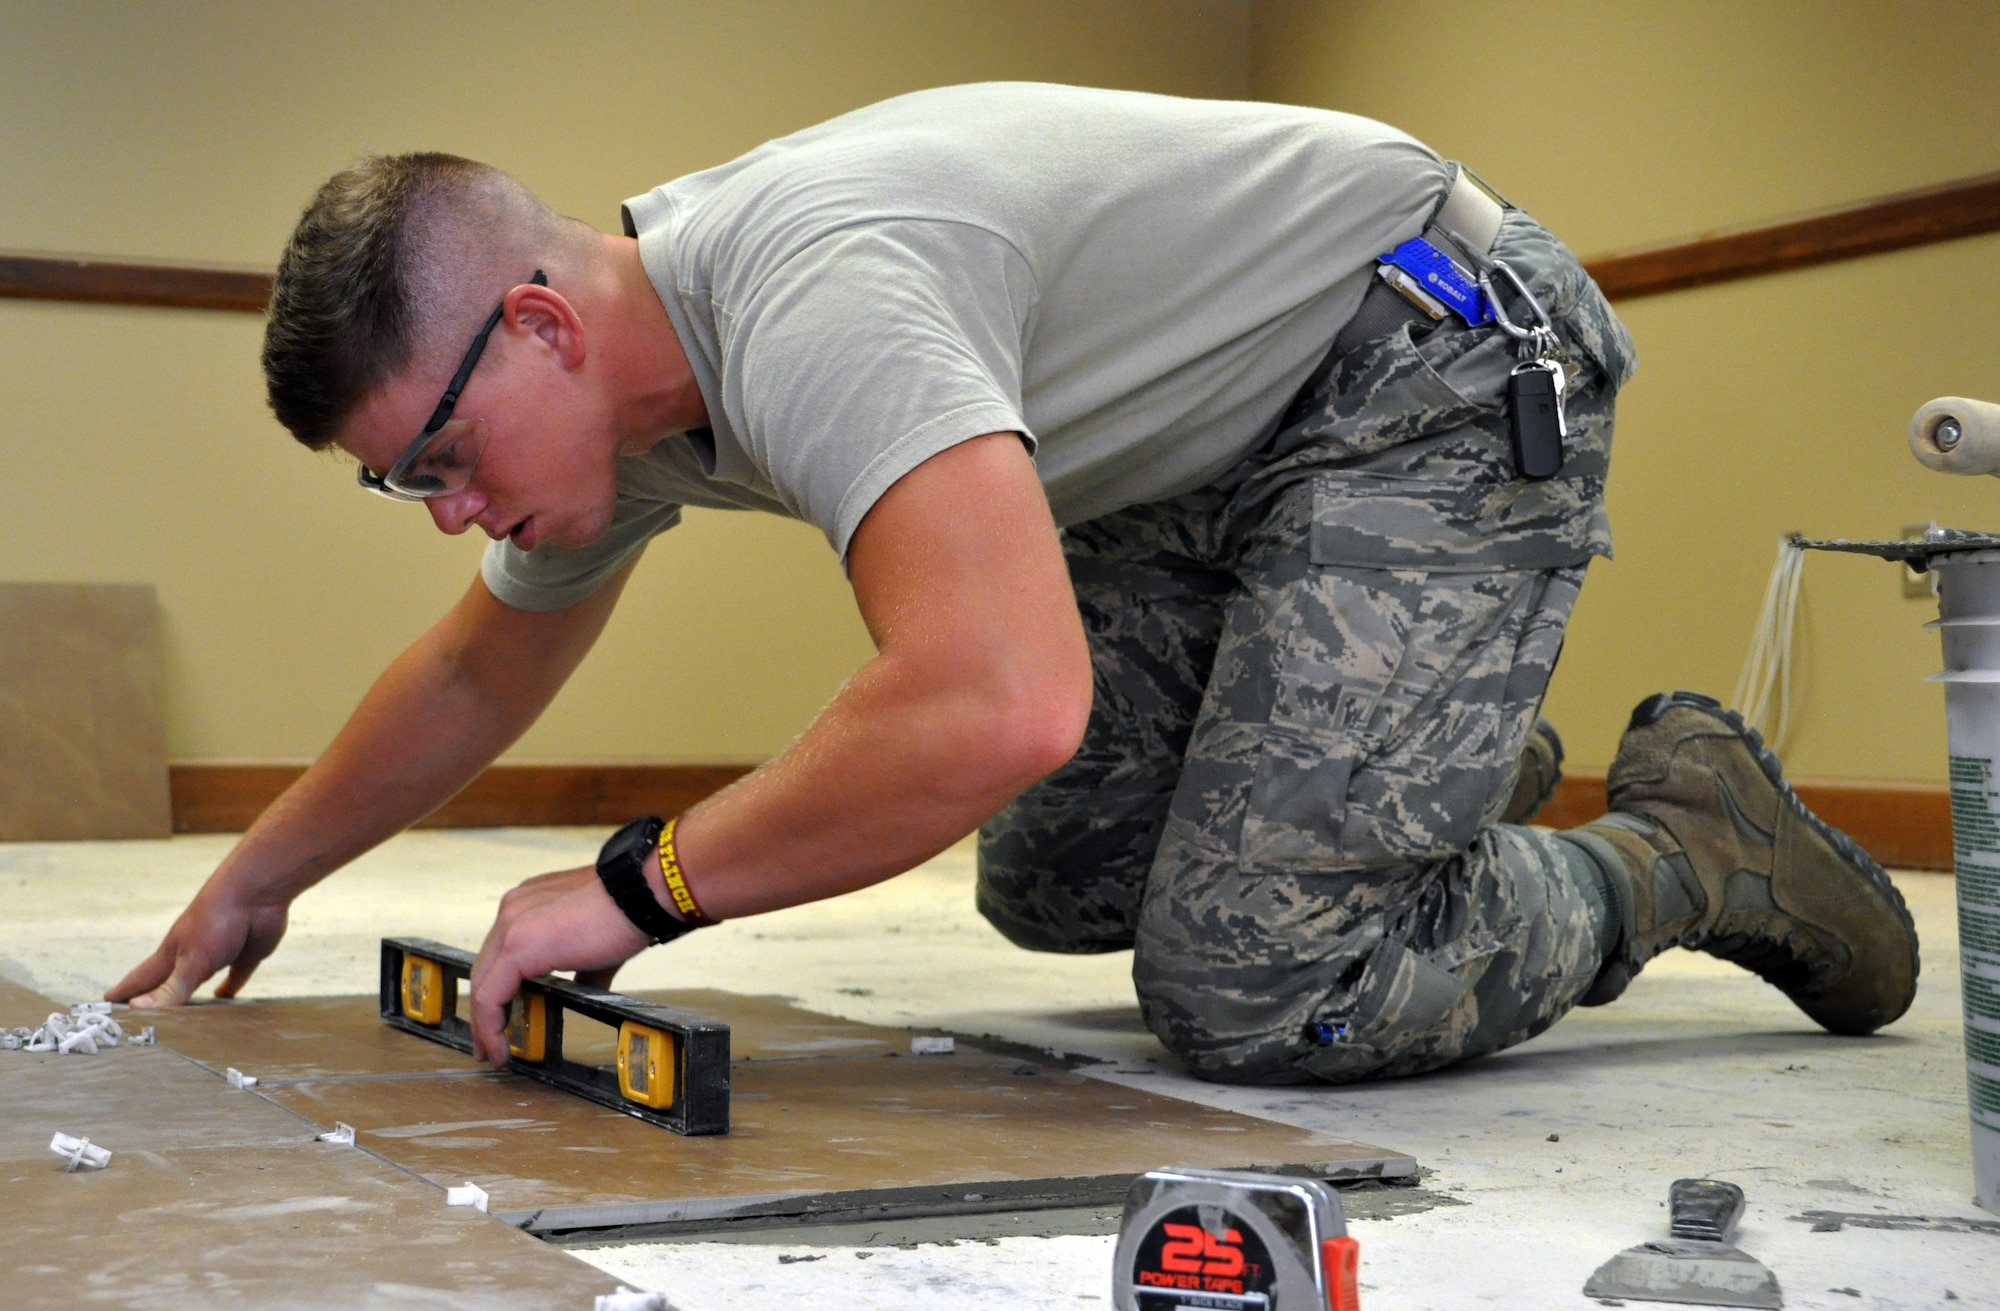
{"x": 226, "y": 798}
{"x": 31, "y": 276}
{"x": 1903, "y": 825}
{"x": 1966, "y": 207}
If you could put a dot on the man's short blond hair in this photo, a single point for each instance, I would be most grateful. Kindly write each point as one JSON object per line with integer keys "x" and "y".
{"x": 388, "y": 263}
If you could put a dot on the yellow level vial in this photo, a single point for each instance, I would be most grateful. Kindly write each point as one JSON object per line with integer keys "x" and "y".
{"x": 528, "y": 1025}
{"x": 423, "y": 990}
{"x": 646, "y": 1065}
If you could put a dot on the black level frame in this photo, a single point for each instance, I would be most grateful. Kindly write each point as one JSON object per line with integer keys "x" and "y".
{"x": 701, "y": 1099}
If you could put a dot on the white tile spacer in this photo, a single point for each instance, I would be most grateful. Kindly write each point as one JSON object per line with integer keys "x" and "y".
{"x": 626, "y": 1299}
{"x": 85, "y": 1038}
{"x": 238, "y": 1079}
{"x": 87, "y": 1028}
{"x": 341, "y": 1135}
{"x": 926, "y": 1046}
{"x": 53, "y": 1030}
{"x": 471, "y": 1195}
{"x": 80, "y": 1153}
{"x": 145, "y": 1038}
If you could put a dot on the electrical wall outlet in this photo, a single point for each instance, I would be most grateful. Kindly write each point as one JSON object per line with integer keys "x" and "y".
{"x": 1917, "y": 586}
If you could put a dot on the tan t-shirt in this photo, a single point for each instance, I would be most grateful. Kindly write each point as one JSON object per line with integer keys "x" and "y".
{"x": 1137, "y": 284}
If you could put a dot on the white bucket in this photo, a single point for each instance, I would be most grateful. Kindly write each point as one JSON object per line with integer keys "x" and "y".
{"x": 1969, "y": 624}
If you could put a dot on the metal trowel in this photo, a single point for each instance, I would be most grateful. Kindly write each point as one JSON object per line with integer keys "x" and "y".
{"x": 1697, "y": 1265}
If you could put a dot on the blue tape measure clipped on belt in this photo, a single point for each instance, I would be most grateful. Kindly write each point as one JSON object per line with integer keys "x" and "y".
{"x": 1437, "y": 275}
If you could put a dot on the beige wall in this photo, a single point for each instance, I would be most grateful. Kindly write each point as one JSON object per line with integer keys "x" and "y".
{"x": 134, "y": 446}
{"x": 1761, "y": 406}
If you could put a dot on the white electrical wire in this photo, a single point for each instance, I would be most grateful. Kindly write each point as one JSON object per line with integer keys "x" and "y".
{"x": 1767, "y": 667}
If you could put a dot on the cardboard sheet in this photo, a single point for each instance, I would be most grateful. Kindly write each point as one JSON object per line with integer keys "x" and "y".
{"x": 217, "y": 1197}
{"x": 83, "y": 738}
{"x": 830, "y": 1118}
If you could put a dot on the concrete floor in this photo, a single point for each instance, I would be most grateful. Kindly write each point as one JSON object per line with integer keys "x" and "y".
{"x": 1546, "y": 1159}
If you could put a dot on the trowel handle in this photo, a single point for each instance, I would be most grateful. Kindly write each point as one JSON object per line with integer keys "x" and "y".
{"x": 1704, "y": 1208}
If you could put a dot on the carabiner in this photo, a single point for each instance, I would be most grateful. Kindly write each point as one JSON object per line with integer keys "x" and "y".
{"x": 1507, "y": 325}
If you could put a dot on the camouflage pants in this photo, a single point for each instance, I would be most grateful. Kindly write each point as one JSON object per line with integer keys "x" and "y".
{"x": 1313, "y": 682}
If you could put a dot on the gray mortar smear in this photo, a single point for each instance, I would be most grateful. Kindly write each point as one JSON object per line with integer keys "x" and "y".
{"x": 1367, "y": 1199}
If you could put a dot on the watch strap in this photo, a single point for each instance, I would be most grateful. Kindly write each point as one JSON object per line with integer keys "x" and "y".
{"x": 621, "y": 867}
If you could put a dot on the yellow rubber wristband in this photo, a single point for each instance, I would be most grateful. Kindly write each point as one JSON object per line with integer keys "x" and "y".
{"x": 676, "y": 878}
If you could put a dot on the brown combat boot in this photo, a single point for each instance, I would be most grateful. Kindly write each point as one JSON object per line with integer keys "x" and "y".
{"x": 1541, "y": 770}
{"x": 1710, "y": 848}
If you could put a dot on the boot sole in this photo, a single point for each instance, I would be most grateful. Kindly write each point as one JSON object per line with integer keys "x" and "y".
{"x": 1655, "y": 707}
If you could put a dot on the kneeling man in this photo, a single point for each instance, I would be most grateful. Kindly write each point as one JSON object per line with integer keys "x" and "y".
{"x": 1215, "y": 481}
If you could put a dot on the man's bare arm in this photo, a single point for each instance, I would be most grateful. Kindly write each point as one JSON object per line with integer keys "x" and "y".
{"x": 460, "y": 695}
{"x": 981, "y": 684}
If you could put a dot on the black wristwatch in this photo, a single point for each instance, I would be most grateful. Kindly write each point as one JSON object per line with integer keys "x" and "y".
{"x": 621, "y": 865}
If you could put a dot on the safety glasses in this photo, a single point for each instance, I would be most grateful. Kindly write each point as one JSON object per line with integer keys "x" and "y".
{"x": 441, "y": 459}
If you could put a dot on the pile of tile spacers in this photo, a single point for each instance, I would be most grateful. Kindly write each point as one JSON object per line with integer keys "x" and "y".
{"x": 87, "y": 1027}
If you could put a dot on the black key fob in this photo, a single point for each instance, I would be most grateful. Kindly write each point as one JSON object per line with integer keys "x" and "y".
{"x": 1535, "y": 417}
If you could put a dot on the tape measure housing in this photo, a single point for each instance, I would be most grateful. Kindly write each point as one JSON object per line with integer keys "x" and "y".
{"x": 1233, "y": 1240}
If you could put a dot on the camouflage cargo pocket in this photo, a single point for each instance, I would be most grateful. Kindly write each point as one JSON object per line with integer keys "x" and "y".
{"x": 1388, "y": 741}
{"x": 1364, "y": 519}
{"x": 1412, "y": 657}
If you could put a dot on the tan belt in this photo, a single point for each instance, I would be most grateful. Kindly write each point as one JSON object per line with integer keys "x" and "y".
{"x": 1470, "y": 214}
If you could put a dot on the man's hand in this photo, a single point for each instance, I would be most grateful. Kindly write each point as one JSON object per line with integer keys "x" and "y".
{"x": 219, "y": 927}
{"x": 433, "y": 720}
{"x": 560, "y": 921}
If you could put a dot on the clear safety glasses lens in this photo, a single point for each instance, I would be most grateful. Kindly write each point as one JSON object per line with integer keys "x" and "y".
{"x": 440, "y": 466}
